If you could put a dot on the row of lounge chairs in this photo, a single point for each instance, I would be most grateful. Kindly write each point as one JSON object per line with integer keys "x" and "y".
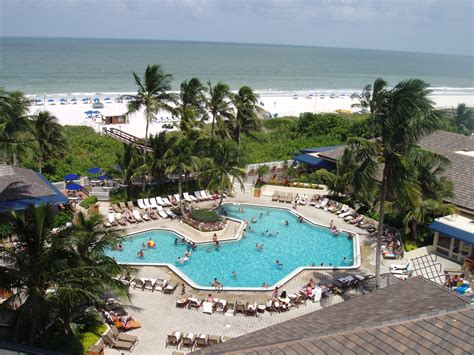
{"x": 283, "y": 197}
{"x": 150, "y": 284}
{"x": 114, "y": 339}
{"x": 191, "y": 341}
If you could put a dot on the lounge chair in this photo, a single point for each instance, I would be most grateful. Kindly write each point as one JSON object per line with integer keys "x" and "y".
{"x": 141, "y": 204}
{"x": 138, "y": 283}
{"x": 123, "y": 206}
{"x": 186, "y": 197}
{"x": 345, "y": 214}
{"x": 170, "y": 213}
{"x": 303, "y": 200}
{"x": 221, "y": 306}
{"x": 400, "y": 266}
{"x": 162, "y": 212}
{"x": 137, "y": 215}
{"x": 145, "y": 216}
{"x": 116, "y": 208}
{"x": 174, "y": 339}
{"x": 202, "y": 341}
{"x": 160, "y": 284}
{"x": 205, "y": 195}
{"x": 123, "y": 337}
{"x": 214, "y": 340}
{"x": 177, "y": 197}
{"x": 194, "y": 303}
{"x": 117, "y": 344}
{"x": 298, "y": 300}
{"x": 160, "y": 201}
{"x": 182, "y": 302}
{"x": 129, "y": 217}
{"x": 152, "y": 213}
{"x": 149, "y": 284}
{"x": 153, "y": 203}
{"x": 111, "y": 219}
{"x": 130, "y": 205}
{"x": 314, "y": 199}
{"x": 323, "y": 203}
{"x": 198, "y": 196}
{"x": 276, "y": 196}
{"x": 166, "y": 201}
{"x": 289, "y": 197}
{"x": 188, "y": 341}
{"x": 230, "y": 310}
{"x": 170, "y": 288}
{"x": 240, "y": 307}
{"x": 282, "y": 197}
{"x": 120, "y": 220}
{"x": 207, "y": 307}
{"x": 251, "y": 309}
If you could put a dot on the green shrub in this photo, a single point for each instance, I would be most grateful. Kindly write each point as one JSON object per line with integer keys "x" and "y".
{"x": 90, "y": 338}
{"x": 205, "y": 216}
{"x": 88, "y": 201}
{"x": 61, "y": 218}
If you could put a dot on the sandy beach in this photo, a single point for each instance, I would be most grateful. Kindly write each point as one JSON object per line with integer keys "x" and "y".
{"x": 279, "y": 104}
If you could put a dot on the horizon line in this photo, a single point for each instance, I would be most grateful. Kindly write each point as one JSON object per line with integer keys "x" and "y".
{"x": 240, "y": 43}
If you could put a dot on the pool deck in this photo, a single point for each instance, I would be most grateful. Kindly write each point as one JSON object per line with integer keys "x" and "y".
{"x": 159, "y": 316}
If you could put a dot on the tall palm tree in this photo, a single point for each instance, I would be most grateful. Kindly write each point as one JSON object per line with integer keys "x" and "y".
{"x": 247, "y": 118}
{"x": 152, "y": 96}
{"x": 218, "y": 105}
{"x": 191, "y": 106}
{"x": 13, "y": 122}
{"x": 159, "y": 144}
{"x": 48, "y": 135}
{"x": 404, "y": 114}
{"x": 225, "y": 164}
{"x": 181, "y": 161}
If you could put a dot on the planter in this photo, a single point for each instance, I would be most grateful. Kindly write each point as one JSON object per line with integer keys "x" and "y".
{"x": 257, "y": 192}
{"x": 94, "y": 208}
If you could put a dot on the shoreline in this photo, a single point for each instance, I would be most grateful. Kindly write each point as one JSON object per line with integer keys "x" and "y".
{"x": 279, "y": 104}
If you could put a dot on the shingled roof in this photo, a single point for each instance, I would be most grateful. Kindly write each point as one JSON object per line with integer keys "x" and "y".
{"x": 415, "y": 315}
{"x": 456, "y": 148}
{"x": 20, "y": 188}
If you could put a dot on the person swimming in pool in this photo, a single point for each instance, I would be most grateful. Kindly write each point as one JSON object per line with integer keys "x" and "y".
{"x": 254, "y": 219}
{"x": 278, "y": 263}
{"x": 261, "y": 215}
{"x": 176, "y": 241}
{"x": 286, "y": 223}
{"x": 140, "y": 254}
{"x": 234, "y": 275}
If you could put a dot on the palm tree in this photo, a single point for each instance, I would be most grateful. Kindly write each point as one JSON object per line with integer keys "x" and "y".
{"x": 404, "y": 114}
{"x": 13, "y": 122}
{"x": 159, "y": 144}
{"x": 181, "y": 161}
{"x": 464, "y": 117}
{"x": 247, "y": 118}
{"x": 50, "y": 279}
{"x": 152, "y": 96}
{"x": 219, "y": 105}
{"x": 127, "y": 164}
{"x": 225, "y": 164}
{"x": 191, "y": 105}
{"x": 48, "y": 134}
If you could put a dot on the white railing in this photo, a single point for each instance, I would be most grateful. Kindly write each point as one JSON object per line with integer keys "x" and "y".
{"x": 271, "y": 165}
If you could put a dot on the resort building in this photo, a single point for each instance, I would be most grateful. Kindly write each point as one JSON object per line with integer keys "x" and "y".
{"x": 454, "y": 236}
{"x": 429, "y": 318}
{"x": 21, "y": 188}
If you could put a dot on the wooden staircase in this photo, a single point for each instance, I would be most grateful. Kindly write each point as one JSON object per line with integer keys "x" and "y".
{"x": 125, "y": 138}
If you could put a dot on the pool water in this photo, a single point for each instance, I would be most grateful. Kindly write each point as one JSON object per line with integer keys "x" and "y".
{"x": 298, "y": 244}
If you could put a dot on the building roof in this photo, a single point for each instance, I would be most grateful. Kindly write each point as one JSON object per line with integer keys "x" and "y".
{"x": 319, "y": 149}
{"x": 416, "y": 315}
{"x": 455, "y": 226}
{"x": 314, "y": 161}
{"x": 458, "y": 149}
{"x": 20, "y": 188}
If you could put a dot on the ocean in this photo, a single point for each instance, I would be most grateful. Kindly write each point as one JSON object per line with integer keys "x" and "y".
{"x": 71, "y": 66}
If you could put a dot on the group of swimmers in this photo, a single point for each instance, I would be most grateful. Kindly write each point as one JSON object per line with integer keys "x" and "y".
{"x": 185, "y": 258}
{"x": 150, "y": 245}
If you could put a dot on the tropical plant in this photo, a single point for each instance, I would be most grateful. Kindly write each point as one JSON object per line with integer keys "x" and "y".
{"x": 152, "y": 96}
{"x": 404, "y": 114}
{"x": 219, "y": 106}
{"x": 181, "y": 161}
{"x": 191, "y": 108}
{"x": 225, "y": 165}
{"x": 247, "y": 118}
{"x": 49, "y": 138}
{"x": 262, "y": 170}
{"x": 54, "y": 278}
{"x": 464, "y": 117}
{"x": 13, "y": 122}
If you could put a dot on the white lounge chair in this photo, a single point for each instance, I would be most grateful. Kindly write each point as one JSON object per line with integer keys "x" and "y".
{"x": 323, "y": 203}
{"x": 170, "y": 213}
{"x": 160, "y": 201}
{"x": 207, "y": 307}
{"x": 345, "y": 214}
{"x": 167, "y": 201}
{"x": 188, "y": 197}
{"x": 198, "y": 196}
{"x": 137, "y": 215}
{"x": 400, "y": 266}
{"x": 177, "y": 197}
{"x": 149, "y": 284}
{"x": 205, "y": 195}
{"x": 111, "y": 218}
{"x": 162, "y": 212}
{"x": 160, "y": 284}
{"x": 141, "y": 204}
{"x": 153, "y": 203}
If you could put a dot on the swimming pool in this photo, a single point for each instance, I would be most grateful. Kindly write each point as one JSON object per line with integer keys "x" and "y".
{"x": 296, "y": 245}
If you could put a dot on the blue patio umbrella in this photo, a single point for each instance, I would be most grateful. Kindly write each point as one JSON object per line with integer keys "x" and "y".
{"x": 62, "y": 99}
{"x": 94, "y": 170}
{"x": 95, "y": 112}
{"x": 85, "y": 99}
{"x": 107, "y": 98}
{"x": 96, "y": 99}
{"x": 73, "y": 99}
{"x": 90, "y": 112}
{"x": 73, "y": 187}
{"x": 103, "y": 177}
{"x": 70, "y": 177}
{"x": 50, "y": 100}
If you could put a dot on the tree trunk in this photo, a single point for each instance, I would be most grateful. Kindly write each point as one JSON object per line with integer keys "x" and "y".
{"x": 238, "y": 145}
{"x": 145, "y": 154}
{"x": 212, "y": 126}
{"x": 222, "y": 191}
{"x": 40, "y": 162}
{"x": 414, "y": 232}
{"x": 180, "y": 202}
{"x": 383, "y": 192}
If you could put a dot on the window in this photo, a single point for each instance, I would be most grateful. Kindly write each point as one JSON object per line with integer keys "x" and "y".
{"x": 444, "y": 241}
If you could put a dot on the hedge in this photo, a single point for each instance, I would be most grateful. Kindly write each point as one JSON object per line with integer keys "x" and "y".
{"x": 205, "y": 216}
{"x": 88, "y": 201}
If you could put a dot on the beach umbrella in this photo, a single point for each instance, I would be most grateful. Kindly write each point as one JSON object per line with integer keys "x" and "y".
{"x": 73, "y": 187}
{"x": 62, "y": 99}
{"x": 107, "y": 98}
{"x": 95, "y": 112}
{"x": 94, "y": 170}
{"x": 70, "y": 177}
{"x": 84, "y": 99}
{"x": 103, "y": 177}
{"x": 50, "y": 100}
{"x": 73, "y": 99}
{"x": 90, "y": 112}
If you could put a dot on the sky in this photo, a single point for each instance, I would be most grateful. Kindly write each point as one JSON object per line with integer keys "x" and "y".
{"x": 407, "y": 25}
